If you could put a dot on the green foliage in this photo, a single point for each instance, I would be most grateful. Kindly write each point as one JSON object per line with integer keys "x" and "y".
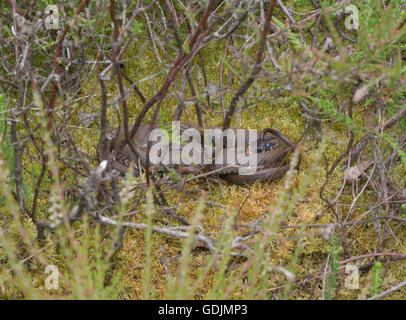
{"x": 84, "y": 266}
{"x": 6, "y": 149}
{"x": 137, "y": 27}
{"x": 376, "y": 279}
{"x": 396, "y": 147}
{"x": 333, "y": 276}
{"x": 301, "y": 3}
{"x": 294, "y": 39}
{"x": 42, "y": 4}
{"x": 5, "y": 145}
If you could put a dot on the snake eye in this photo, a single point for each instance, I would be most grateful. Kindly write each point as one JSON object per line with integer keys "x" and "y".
{"x": 268, "y": 146}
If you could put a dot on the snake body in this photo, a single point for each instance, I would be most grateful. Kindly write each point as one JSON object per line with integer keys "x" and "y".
{"x": 272, "y": 149}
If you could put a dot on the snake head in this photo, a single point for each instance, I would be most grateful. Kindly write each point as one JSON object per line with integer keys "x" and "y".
{"x": 267, "y": 143}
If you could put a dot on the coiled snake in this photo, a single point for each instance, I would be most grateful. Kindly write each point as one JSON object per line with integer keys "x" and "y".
{"x": 272, "y": 147}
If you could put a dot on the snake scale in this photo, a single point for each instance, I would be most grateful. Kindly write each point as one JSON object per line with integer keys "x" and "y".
{"x": 272, "y": 146}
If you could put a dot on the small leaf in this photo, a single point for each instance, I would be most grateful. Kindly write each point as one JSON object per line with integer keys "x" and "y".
{"x": 137, "y": 27}
{"x": 186, "y": 48}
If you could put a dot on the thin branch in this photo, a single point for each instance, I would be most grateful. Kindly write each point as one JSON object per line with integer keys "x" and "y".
{"x": 255, "y": 71}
